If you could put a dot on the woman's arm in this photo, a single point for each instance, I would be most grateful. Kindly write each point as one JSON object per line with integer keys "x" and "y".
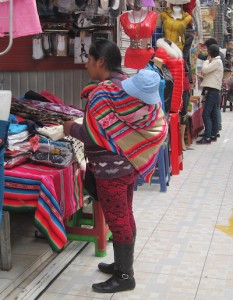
{"x": 209, "y": 66}
{"x": 77, "y": 131}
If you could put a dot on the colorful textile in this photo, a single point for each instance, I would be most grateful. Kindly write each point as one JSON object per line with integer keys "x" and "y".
{"x": 17, "y": 128}
{"x": 87, "y": 89}
{"x": 51, "y": 97}
{"x": 4, "y": 126}
{"x": 48, "y": 191}
{"x": 125, "y": 125}
{"x": 44, "y": 112}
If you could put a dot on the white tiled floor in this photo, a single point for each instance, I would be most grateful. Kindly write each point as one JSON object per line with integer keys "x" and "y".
{"x": 180, "y": 252}
{"x": 28, "y": 253}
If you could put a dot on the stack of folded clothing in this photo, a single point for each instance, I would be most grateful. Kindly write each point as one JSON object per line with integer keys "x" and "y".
{"x": 45, "y": 112}
{"x": 56, "y": 154}
{"x": 19, "y": 145}
{"x": 38, "y": 134}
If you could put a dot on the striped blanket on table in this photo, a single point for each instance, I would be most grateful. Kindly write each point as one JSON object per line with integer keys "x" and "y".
{"x": 127, "y": 126}
{"x": 48, "y": 191}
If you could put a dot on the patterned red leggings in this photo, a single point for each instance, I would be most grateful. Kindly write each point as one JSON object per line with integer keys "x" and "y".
{"x": 116, "y": 197}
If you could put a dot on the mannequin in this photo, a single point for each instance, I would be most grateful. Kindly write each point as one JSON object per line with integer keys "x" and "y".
{"x": 171, "y": 48}
{"x": 139, "y": 25}
{"x": 5, "y": 102}
{"x": 172, "y": 57}
{"x": 175, "y": 22}
{"x": 176, "y": 12}
{"x": 137, "y": 16}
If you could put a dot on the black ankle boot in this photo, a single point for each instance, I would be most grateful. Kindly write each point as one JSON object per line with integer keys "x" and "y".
{"x": 119, "y": 282}
{"x": 109, "y": 268}
{"x": 106, "y": 268}
{"x": 122, "y": 278}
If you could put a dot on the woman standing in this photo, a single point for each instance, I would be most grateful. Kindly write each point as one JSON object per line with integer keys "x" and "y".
{"x": 121, "y": 136}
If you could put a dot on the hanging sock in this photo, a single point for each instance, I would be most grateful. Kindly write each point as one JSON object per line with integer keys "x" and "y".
{"x": 37, "y": 49}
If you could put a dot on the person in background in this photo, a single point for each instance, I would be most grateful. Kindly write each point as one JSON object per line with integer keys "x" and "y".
{"x": 203, "y": 56}
{"x": 212, "y": 71}
{"x": 122, "y": 135}
{"x": 207, "y": 43}
{"x": 229, "y": 82}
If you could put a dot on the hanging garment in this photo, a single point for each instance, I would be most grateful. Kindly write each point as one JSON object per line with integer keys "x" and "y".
{"x": 197, "y": 15}
{"x": 190, "y": 6}
{"x": 152, "y": 67}
{"x": 166, "y": 88}
{"x": 171, "y": 57}
{"x": 25, "y": 21}
{"x": 189, "y": 37}
{"x": 138, "y": 32}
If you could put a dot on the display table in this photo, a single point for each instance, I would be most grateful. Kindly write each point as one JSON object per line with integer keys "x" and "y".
{"x": 47, "y": 190}
{"x": 56, "y": 196}
{"x": 195, "y": 121}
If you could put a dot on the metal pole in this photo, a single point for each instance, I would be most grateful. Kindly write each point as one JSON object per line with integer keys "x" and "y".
{"x": 10, "y": 43}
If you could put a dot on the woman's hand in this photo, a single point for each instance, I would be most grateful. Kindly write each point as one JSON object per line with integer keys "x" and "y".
{"x": 67, "y": 125}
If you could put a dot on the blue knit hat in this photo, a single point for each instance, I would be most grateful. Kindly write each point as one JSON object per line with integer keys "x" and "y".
{"x": 144, "y": 85}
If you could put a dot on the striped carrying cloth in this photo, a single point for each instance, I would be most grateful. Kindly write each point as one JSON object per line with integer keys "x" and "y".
{"x": 126, "y": 126}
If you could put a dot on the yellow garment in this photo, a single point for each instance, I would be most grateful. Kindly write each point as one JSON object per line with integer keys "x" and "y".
{"x": 174, "y": 29}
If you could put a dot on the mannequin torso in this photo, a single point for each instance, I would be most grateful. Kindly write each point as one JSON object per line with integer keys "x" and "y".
{"x": 175, "y": 22}
{"x": 139, "y": 26}
{"x": 137, "y": 16}
{"x": 176, "y": 12}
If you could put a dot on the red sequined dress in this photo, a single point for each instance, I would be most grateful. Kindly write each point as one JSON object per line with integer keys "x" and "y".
{"x": 137, "y": 58}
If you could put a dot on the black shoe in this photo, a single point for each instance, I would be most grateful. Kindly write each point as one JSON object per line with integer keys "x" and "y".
{"x": 204, "y": 141}
{"x": 122, "y": 278}
{"x": 117, "y": 283}
{"x": 201, "y": 134}
{"x": 106, "y": 268}
{"x": 213, "y": 138}
{"x": 218, "y": 135}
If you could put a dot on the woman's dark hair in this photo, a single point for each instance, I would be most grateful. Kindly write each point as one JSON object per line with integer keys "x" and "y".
{"x": 213, "y": 50}
{"x": 210, "y": 41}
{"x": 109, "y": 51}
